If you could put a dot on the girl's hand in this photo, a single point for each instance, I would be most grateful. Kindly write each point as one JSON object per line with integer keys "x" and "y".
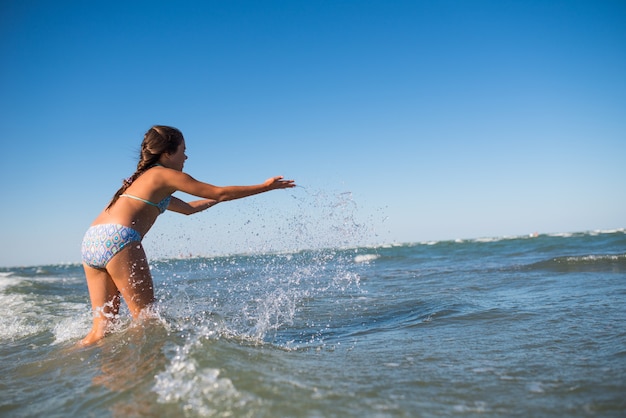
{"x": 277, "y": 182}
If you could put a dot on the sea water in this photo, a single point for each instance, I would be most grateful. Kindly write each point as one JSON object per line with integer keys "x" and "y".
{"x": 507, "y": 327}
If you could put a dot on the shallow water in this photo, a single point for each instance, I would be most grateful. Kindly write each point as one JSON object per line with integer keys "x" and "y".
{"x": 504, "y": 327}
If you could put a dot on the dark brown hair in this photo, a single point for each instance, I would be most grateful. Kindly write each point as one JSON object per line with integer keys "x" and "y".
{"x": 156, "y": 142}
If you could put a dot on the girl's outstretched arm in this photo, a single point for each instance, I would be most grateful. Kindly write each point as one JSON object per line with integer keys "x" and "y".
{"x": 187, "y": 184}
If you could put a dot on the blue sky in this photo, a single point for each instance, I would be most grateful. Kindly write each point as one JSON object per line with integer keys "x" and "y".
{"x": 404, "y": 121}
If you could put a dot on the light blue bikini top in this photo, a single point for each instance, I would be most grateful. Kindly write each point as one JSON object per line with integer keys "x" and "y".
{"x": 162, "y": 205}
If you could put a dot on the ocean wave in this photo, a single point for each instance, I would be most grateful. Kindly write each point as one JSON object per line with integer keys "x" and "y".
{"x": 615, "y": 263}
{"x": 495, "y": 239}
{"x": 13, "y": 322}
{"x": 36, "y": 302}
{"x": 48, "y": 270}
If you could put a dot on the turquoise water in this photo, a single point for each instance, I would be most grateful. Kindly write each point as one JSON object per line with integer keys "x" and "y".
{"x": 511, "y": 327}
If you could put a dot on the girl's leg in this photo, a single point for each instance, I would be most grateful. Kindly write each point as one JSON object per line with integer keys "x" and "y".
{"x": 127, "y": 273}
{"x": 105, "y": 302}
{"x": 130, "y": 273}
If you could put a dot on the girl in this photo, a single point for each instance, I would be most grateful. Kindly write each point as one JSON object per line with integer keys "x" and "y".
{"x": 113, "y": 257}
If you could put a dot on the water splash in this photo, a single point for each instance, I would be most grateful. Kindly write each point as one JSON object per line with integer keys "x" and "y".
{"x": 259, "y": 294}
{"x": 197, "y": 389}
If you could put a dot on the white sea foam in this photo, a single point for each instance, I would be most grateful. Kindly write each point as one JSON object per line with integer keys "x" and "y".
{"x": 197, "y": 389}
{"x": 535, "y": 387}
{"x": 608, "y": 231}
{"x": 488, "y": 239}
{"x": 365, "y": 258}
{"x": 11, "y": 325}
{"x": 476, "y": 407}
{"x": 7, "y": 280}
{"x": 74, "y": 326}
{"x": 561, "y": 235}
{"x": 18, "y": 317}
{"x": 22, "y": 314}
{"x": 595, "y": 258}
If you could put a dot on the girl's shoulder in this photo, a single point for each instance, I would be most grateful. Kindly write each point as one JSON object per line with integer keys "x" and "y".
{"x": 165, "y": 177}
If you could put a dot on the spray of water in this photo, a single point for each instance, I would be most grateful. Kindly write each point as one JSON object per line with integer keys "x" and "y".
{"x": 266, "y": 296}
{"x": 254, "y": 296}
